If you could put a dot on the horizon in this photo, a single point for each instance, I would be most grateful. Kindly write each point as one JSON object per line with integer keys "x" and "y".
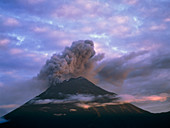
{"x": 133, "y": 35}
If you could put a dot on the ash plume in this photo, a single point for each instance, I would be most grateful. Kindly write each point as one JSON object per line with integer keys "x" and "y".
{"x": 77, "y": 60}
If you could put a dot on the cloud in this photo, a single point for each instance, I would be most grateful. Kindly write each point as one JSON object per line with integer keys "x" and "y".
{"x": 16, "y": 51}
{"x": 119, "y": 19}
{"x": 84, "y": 101}
{"x": 4, "y": 42}
{"x": 9, "y": 106}
{"x": 40, "y": 29}
{"x": 131, "y": 99}
{"x": 167, "y": 19}
{"x": 115, "y": 71}
{"x": 75, "y": 99}
{"x": 11, "y": 22}
{"x": 120, "y": 31}
{"x": 77, "y": 60}
{"x": 79, "y": 8}
{"x": 158, "y": 27}
{"x": 131, "y": 2}
{"x": 70, "y": 99}
{"x": 155, "y": 107}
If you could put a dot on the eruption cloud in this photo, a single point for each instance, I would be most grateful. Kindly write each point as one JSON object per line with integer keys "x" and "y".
{"x": 77, "y": 60}
{"x": 80, "y": 60}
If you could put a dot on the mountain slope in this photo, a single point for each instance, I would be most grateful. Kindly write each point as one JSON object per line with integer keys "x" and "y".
{"x": 79, "y": 103}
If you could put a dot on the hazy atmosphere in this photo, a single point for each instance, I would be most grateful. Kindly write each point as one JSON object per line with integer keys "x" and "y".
{"x": 127, "y": 42}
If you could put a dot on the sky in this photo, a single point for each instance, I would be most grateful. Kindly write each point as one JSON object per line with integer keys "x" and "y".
{"x": 133, "y": 34}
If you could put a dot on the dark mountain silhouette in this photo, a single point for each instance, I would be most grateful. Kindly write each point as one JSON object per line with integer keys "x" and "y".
{"x": 81, "y": 104}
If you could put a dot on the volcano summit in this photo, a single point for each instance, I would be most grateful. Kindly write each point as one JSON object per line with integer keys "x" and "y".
{"x": 79, "y": 103}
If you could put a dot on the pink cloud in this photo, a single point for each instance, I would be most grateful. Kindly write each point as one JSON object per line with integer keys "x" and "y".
{"x": 11, "y": 22}
{"x": 15, "y": 51}
{"x": 65, "y": 42}
{"x": 167, "y": 19}
{"x": 120, "y": 30}
{"x": 56, "y": 33}
{"x": 67, "y": 11}
{"x": 12, "y": 74}
{"x": 80, "y": 8}
{"x": 158, "y": 27}
{"x": 131, "y": 2}
{"x": 102, "y": 24}
{"x": 119, "y": 19}
{"x": 9, "y": 72}
{"x": 130, "y": 98}
{"x": 4, "y": 42}
{"x": 36, "y": 57}
{"x": 88, "y": 4}
{"x": 146, "y": 43}
{"x": 30, "y": 55}
{"x": 9, "y": 106}
{"x": 40, "y": 29}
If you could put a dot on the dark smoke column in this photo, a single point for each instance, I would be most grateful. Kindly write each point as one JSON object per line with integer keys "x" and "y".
{"x": 77, "y": 60}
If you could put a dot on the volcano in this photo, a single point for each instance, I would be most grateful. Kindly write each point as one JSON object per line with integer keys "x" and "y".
{"x": 79, "y": 103}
